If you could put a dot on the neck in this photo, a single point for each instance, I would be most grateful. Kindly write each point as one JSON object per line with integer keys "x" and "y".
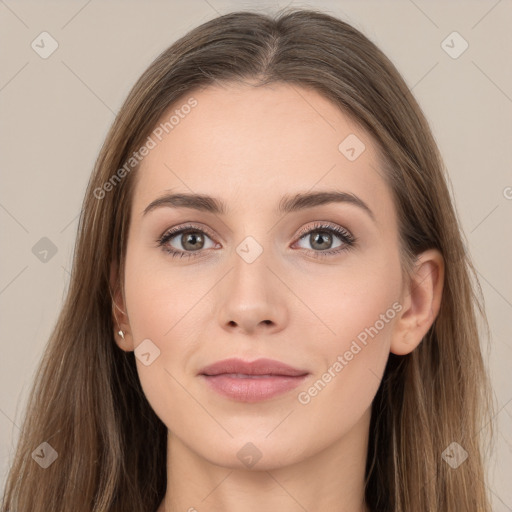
{"x": 332, "y": 479}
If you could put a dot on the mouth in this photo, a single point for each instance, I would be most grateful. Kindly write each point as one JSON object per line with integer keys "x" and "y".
{"x": 251, "y": 381}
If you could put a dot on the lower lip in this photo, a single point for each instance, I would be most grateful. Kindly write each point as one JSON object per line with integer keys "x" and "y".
{"x": 252, "y": 389}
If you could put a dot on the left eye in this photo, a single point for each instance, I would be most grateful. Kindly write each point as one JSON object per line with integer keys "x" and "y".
{"x": 190, "y": 240}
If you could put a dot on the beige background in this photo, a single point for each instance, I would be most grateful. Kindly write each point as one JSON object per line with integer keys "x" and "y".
{"x": 55, "y": 113}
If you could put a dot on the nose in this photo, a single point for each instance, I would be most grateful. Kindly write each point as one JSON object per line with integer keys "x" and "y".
{"x": 252, "y": 298}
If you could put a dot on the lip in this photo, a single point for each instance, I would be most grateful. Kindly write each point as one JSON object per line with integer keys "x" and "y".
{"x": 253, "y": 381}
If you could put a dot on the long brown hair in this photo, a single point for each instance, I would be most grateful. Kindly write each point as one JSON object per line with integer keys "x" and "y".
{"x": 87, "y": 402}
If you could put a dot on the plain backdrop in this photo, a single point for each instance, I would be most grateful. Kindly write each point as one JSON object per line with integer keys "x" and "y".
{"x": 55, "y": 113}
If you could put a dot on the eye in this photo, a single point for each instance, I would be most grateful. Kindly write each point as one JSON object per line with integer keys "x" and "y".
{"x": 191, "y": 239}
{"x": 321, "y": 238}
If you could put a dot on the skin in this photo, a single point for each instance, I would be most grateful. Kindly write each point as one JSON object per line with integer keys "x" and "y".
{"x": 249, "y": 146}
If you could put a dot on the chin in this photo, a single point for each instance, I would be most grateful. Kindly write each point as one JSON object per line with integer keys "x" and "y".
{"x": 254, "y": 453}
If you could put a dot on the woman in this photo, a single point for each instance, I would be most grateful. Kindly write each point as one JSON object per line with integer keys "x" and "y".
{"x": 270, "y": 305}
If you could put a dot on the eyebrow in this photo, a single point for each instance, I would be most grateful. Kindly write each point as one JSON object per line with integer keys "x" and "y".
{"x": 287, "y": 204}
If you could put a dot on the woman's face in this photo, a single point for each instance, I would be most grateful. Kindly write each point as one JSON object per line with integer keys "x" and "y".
{"x": 268, "y": 277}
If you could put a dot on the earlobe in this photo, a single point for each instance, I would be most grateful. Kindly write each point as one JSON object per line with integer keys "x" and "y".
{"x": 122, "y": 332}
{"x": 421, "y": 300}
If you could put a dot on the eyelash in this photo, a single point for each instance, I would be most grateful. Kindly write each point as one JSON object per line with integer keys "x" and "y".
{"x": 348, "y": 240}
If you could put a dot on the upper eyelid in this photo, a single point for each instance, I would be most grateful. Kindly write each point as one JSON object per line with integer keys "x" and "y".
{"x": 187, "y": 227}
{"x": 175, "y": 231}
{"x": 319, "y": 225}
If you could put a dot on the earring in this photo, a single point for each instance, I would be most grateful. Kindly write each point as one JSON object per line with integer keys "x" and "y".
{"x": 120, "y": 332}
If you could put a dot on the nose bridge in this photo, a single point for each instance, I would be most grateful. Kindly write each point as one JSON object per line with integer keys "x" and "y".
{"x": 251, "y": 277}
{"x": 250, "y": 295}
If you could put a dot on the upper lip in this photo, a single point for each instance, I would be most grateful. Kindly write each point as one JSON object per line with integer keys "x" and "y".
{"x": 257, "y": 367}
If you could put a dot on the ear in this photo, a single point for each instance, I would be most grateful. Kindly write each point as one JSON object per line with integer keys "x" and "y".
{"x": 421, "y": 300}
{"x": 119, "y": 315}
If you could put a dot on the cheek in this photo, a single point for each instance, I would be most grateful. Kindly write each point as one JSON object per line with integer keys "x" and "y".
{"x": 356, "y": 314}
{"x": 166, "y": 306}
{"x": 158, "y": 296}
{"x": 345, "y": 302}
{"x": 350, "y": 363}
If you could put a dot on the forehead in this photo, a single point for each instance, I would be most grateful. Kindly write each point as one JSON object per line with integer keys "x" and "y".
{"x": 253, "y": 145}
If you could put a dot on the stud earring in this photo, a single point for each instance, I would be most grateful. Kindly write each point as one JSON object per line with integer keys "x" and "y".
{"x": 121, "y": 333}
